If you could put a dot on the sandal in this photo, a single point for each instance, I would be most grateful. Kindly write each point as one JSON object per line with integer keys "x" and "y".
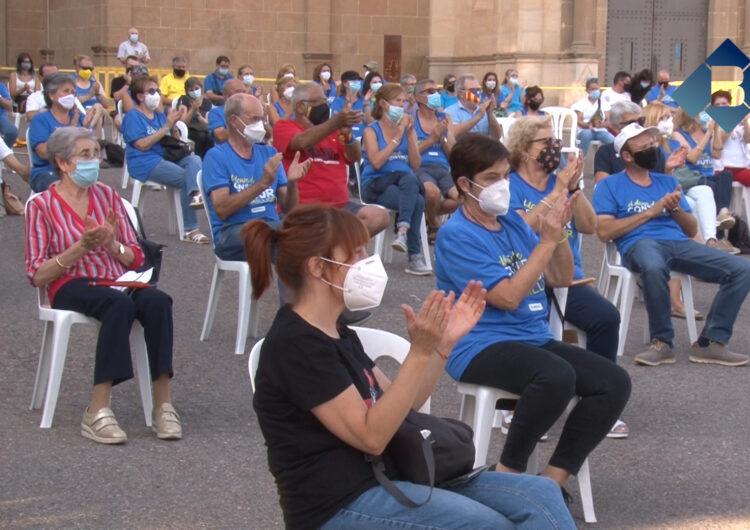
{"x": 195, "y": 236}
{"x": 619, "y": 430}
{"x": 196, "y": 202}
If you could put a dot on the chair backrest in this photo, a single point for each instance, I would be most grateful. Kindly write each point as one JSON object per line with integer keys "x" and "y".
{"x": 376, "y": 342}
{"x": 506, "y": 123}
{"x": 175, "y": 103}
{"x": 131, "y": 213}
{"x": 556, "y": 323}
{"x": 183, "y": 130}
{"x": 204, "y": 196}
{"x": 28, "y": 147}
{"x": 564, "y": 118}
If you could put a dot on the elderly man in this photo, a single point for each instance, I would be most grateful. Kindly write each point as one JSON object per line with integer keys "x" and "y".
{"x": 217, "y": 124}
{"x": 468, "y": 115}
{"x": 606, "y": 161}
{"x": 331, "y": 147}
{"x": 244, "y": 179}
{"x": 214, "y": 82}
{"x": 647, "y": 216}
{"x": 409, "y": 84}
{"x": 662, "y": 90}
{"x": 172, "y": 85}
{"x": 132, "y": 46}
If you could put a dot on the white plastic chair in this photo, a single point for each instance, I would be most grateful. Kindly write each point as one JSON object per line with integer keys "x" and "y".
{"x": 383, "y": 247}
{"x": 623, "y": 293}
{"x": 248, "y": 311}
{"x": 741, "y": 200}
{"x": 125, "y": 173}
{"x": 54, "y": 349}
{"x": 506, "y": 123}
{"x": 376, "y": 343}
{"x": 561, "y": 116}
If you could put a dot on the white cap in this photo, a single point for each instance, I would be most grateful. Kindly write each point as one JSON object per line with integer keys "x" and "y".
{"x": 631, "y": 131}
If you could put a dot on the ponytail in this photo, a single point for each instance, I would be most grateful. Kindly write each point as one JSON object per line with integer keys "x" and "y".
{"x": 259, "y": 237}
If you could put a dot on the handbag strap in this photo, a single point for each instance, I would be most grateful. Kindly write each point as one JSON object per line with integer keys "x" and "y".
{"x": 378, "y": 468}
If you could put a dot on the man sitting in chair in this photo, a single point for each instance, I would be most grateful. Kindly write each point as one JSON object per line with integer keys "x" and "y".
{"x": 243, "y": 179}
{"x": 647, "y": 216}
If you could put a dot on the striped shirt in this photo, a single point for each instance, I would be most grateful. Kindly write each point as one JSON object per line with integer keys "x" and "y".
{"x": 52, "y": 227}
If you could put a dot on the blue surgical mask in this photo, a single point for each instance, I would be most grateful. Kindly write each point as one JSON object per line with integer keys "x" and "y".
{"x": 375, "y": 87}
{"x": 223, "y": 71}
{"x": 86, "y": 173}
{"x": 434, "y": 101}
{"x": 395, "y": 113}
{"x": 356, "y": 85}
{"x": 594, "y": 94}
{"x": 703, "y": 119}
{"x": 195, "y": 94}
{"x": 645, "y": 84}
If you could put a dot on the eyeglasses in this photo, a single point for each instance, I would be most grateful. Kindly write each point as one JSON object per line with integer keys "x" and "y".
{"x": 153, "y": 91}
{"x": 640, "y": 121}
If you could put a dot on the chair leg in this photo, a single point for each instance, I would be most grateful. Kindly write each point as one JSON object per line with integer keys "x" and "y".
{"x": 378, "y": 243}
{"x": 484, "y": 413}
{"x": 176, "y": 213}
{"x": 42, "y": 370}
{"x": 60, "y": 338}
{"x": 587, "y": 496}
{"x": 213, "y": 301}
{"x": 136, "y": 198}
{"x": 142, "y": 370}
{"x": 626, "y": 307}
{"x": 425, "y": 243}
{"x": 243, "y": 313}
{"x": 532, "y": 466}
{"x": 125, "y": 174}
{"x": 687, "y": 298}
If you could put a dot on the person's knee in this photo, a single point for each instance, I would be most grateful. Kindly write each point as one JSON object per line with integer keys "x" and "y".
{"x": 375, "y": 219}
{"x": 432, "y": 193}
{"x": 618, "y": 384}
{"x": 408, "y": 183}
{"x": 559, "y": 382}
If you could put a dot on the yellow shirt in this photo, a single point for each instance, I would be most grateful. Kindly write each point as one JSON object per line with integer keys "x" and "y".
{"x": 171, "y": 87}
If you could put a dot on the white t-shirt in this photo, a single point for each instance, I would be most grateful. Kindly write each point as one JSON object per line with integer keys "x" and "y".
{"x": 35, "y": 101}
{"x": 4, "y": 150}
{"x": 128, "y": 48}
{"x": 610, "y": 97}
{"x": 586, "y": 107}
{"x": 734, "y": 153}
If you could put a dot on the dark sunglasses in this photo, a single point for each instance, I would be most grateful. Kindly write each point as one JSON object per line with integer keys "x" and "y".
{"x": 87, "y": 67}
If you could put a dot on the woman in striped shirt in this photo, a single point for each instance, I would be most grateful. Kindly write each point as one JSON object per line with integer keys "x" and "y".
{"x": 77, "y": 232}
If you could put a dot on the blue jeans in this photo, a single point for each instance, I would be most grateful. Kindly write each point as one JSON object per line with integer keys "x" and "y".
{"x": 491, "y": 501}
{"x": 180, "y": 175}
{"x": 653, "y": 259}
{"x": 43, "y": 180}
{"x": 589, "y": 311}
{"x": 403, "y": 192}
{"x": 586, "y": 136}
{"x": 8, "y": 130}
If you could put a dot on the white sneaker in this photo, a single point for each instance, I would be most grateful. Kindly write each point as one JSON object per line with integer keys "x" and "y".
{"x": 399, "y": 243}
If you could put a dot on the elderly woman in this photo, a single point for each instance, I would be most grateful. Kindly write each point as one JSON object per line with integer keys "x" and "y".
{"x": 534, "y": 187}
{"x": 143, "y": 127}
{"x": 391, "y": 156}
{"x": 77, "y": 232}
{"x": 59, "y": 94}
{"x": 283, "y": 107}
{"x": 315, "y": 382}
{"x": 90, "y": 92}
{"x": 195, "y": 106}
{"x": 512, "y": 347}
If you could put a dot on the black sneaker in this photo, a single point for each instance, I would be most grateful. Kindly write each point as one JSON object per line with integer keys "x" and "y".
{"x": 353, "y": 318}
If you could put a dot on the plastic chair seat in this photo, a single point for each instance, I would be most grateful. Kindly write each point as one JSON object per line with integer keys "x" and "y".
{"x": 741, "y": 200}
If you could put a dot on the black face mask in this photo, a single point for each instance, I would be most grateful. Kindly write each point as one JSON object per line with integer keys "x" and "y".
{"x": 549, "y": 157}
{"x": 647, "y": 158}
{"x": 626, "y": 88}
{"x": 318, "y": 114}
{"x": 450, "y": 87}
{"x": 178, "y": 72}
{"x": 534, "y": 104}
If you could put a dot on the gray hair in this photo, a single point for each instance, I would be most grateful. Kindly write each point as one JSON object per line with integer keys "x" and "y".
{"x": 461, "y": 81}
{"x": 407, "y": 77}
{"x": 52, "y": 84}
{"x": 302, "y": 93}
{"x": 421, "y": 84}
{"x": 620, "y": 109}
{"x": 62, "y": 143}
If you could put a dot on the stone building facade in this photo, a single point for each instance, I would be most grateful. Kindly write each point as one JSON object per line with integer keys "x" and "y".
{"x": 553, "y": 43}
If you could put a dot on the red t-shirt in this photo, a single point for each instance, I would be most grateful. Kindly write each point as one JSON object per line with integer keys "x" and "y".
{"x": 326, "y": 180}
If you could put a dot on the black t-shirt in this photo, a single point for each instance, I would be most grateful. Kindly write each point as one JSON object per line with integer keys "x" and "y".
{"x": 204, "y": 109}
{"x": 606, "y": 160}
{"x": 116, "y": 84}
{"x": 300, "y": 367}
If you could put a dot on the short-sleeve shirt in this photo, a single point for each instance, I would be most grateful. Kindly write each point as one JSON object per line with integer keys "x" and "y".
{"x": 610, "y": 97}
{"x": 5, "y": 151}
{"x": 204, "y": 109}
{"x": 460, "y": 114}
{"x": 5, "y": 95}
{"x": 398, "y": 161}
{"x": 215, "y": 83}
{"x": 299, "y": 368}
{"x": 587, "y": 108}
{"x": 607, "y": 161}
{"x": 446, "y": 100}
{"x": 36, "y": 101}
{"x": 359, "y": 105}
{"x": 83, "y": 92}
{"x": 466, "y": 251}
{"x": 525, "y": 197}
{"x": 224, "y": 168}
{"x": 128, "y": 48}
{"x": 116, "y": 84}
{"x": 136, "y": 125}
{"x": 326, "y": 180}
{"x": 216, "y": 120}
{"x": 515, "y": 104}
{"x": 620, "y": 197}
{"x": 172, "y": 87}
{"x": 653, "y": 94}
{"x": 41, "y": 128}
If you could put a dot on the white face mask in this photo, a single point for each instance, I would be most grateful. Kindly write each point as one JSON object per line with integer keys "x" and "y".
{"x": 152, "y": 100}
{"x": 491, "y": 84}
{"x": 248, "y": 79}
{"x": 195, "y": 94}
{"x": 288, "y": 92}
{"x": 325, "y": 76}
{"x": 666, "y": 127}
{"x": 254, "y": 132}
{"x": 364, "y": 283}
{"x": 495, "y": 198}
{"x": 68, "y": 101}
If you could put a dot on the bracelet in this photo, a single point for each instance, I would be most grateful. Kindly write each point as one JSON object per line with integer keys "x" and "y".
{"x": 57, "y": 260}
{"x": 563, "y": 240}
{"x": 442, "y": 355}
{"x": 546, "y": 203}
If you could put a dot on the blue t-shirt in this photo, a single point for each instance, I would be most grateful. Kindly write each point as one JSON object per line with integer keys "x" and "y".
{"x": 446, "y": 100}
{"x": 466, "y": 251}
{"x": 330, "y": 94}
{"x": 525, "y": 113}
{"x": 359, "y": 105}
{"x": 136, "y": 125}
{"x": 435, "y": 154}
{"x": 620, "y": 197}
{"x": 398, "y": 161}
{"x": 216, "y": 119}
{"x": 215, "y": 83}
{"x": 41, "y": 128}
{"x": 5, "y": 95}
{"x": 667, "y": 99}
{"x": 460, "y": 114}
{"x": 224, "y": 168}
{"x": 705, "y": 163}
{"x": 525, "y": 197}
{"x": 515, "y": 104}
{"x": 81, "y": 92}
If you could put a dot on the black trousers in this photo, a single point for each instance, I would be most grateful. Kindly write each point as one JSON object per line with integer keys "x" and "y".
{"x": 547, "y": 377}
{"x": 116, "y": 311}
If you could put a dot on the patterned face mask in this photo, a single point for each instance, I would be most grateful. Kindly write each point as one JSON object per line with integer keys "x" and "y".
{"x": 549, "y": 157}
